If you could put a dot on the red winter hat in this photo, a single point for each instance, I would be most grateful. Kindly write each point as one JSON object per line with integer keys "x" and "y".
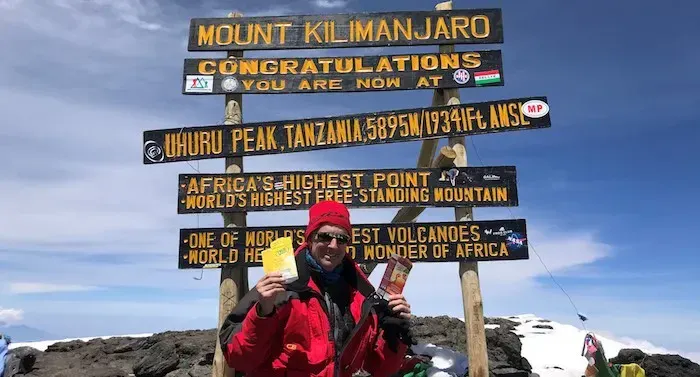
{"x": 328, "y": 212}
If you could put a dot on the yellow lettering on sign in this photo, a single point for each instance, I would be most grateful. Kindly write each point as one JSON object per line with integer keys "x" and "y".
{"x": 215, "y": 201}
{"x": 200, "y": 240}
{"x": 394, "y": 195}
{"x": 262, "y": 238}
{"x": 205, "y": 35}
{"x": 304, "y": 84}
{"x": 362, "y": 32}
{"x": 365, "y": 235}
{"x": 378, "y": 82}
{"x": 342, "y": 196}
{"x": 312, "y": 31}
{"x": 260, "y": 138}
{"x": 482, "y": 250}
{"x": 440, "y": 251}
{"x": 430, "y": 81}
{"x": 226, "y": 34}
{"x": 212, "y": 256}
{"x": 401, "y": 179}
{"x": 228, "y": 239}
{"x": 332, "y": 32}
{"x": 193, "y": 143}
{"x": 339, "y": 65}
{"x": 322, "y": 181}
{"x": 481, "y": 26}
{"x": 357, "y": 30}
{"x": 384, "y": 64}
{"x": 373, "y": 252}
{"x": 507, "y": 115}
{"x": 422, "y": 82}
{"x": 282, "y": 28}
{"x": 321, "y": 84}
{"x": 472, "y": 194}
{"x": 332, "y": 132}
{"x": 253, "y": 254}
{"x": 434, "y": 234}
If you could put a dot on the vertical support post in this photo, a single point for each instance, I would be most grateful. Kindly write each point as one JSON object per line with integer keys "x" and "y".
{"x": 468, "y": 271}
{"x": 233, "y": 284}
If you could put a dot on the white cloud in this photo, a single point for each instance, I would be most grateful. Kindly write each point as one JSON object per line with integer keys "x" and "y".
{"x": 10, "y": 315}
{"x": 329, "y": 3}
{"x": 34, "y": 287}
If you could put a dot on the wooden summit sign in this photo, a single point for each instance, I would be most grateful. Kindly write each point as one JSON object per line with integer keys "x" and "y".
{"x": 264, "y": 138}
{"x": 208, "y": 76}
{"x": 488, "y": 240}
{"x": 449, "y": 187}
{"x": 461, "y": 26}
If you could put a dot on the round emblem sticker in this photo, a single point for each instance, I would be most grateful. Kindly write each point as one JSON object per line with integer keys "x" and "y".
{"x": 461, "y": 76}
{"x": 535, "y": 108}
{"x": 229, "y": 84}
{"x": 153, "y": 151}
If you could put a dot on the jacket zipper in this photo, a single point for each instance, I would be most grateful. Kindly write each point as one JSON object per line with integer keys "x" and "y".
{"x": 339, "y": 353}
{"x": 352, "y": 334}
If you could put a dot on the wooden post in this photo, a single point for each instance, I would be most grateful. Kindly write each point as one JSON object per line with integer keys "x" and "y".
{"x": 468, "y": 271}
{"x": 456, "y": 155}
{"x": 234, "y": 280}
{"x": 425, "y": 160}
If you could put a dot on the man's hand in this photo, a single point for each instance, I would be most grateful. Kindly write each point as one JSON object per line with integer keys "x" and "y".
{"x": 269, "y": 286}
{"x": 396, "y": 322}
{"x": 399, "y": 305}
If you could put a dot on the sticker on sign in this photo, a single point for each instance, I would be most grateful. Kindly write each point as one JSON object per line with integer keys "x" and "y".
{"x": 535, "y": 108}
{"x": 199, "y": 84}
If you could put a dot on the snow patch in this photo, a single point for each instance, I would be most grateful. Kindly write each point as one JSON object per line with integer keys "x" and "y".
{"x": 445, "y": 362}
{"x": 43, "y": 345}
{"x": 556, "y": 352}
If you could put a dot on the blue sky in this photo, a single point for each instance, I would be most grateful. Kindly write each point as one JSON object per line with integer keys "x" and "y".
{"x": 88, "y": 233}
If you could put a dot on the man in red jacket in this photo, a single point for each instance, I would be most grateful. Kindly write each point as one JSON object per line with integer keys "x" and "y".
{"x": 327, "y": 323}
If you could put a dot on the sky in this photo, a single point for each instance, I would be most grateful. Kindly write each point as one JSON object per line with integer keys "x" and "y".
{"x": 89, "y": 235}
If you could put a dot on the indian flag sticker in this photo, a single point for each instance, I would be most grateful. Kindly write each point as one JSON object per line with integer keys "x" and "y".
{"x": 487, "y": 77}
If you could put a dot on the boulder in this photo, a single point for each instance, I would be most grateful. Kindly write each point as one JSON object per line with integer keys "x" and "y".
{"x": 658, "y": 365}
{"x": 159, "y": 360}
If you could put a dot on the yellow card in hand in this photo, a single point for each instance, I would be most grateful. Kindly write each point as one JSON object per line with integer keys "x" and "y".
{"x": 280, "y": 258}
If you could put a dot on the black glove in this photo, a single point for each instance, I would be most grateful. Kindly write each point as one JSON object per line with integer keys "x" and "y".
{"x": 395, "y": 328}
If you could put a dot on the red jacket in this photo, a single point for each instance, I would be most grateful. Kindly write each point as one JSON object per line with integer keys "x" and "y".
{"x": 296, "y": 340}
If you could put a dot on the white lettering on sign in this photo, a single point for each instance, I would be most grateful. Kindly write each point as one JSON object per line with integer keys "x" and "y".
{"x": 535, "y": 108}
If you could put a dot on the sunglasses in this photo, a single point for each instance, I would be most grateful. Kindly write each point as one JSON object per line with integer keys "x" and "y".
{"x": 328, "y": 237}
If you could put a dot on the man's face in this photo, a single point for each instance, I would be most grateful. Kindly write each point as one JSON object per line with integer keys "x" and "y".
{"x": 327, "y": 248}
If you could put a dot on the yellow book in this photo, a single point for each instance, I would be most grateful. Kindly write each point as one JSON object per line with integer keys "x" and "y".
{"x": 280, "y": 258}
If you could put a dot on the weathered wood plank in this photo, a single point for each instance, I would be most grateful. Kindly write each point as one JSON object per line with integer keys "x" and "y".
{"x": 342, "y": 74}
{"x": 402, "y": 28}
{"x": 487, "y": 240}
{"x": 484, "y": 186}
{"x": 300, "y": 135}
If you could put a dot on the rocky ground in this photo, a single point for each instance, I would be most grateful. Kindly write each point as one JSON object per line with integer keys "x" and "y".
{"x": 190, "y": 353}
{"x": 658, "y": 365}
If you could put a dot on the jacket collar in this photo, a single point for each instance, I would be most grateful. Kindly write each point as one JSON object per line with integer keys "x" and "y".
{"x": 352, "y": 274}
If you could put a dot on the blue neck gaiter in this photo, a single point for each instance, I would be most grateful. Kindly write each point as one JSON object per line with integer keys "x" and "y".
{"x": 329, "y": 277}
